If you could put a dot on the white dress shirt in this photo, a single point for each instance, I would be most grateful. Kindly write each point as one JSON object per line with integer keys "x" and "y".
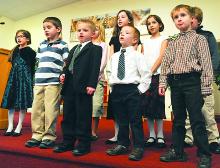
{"x": 136, "y": 70}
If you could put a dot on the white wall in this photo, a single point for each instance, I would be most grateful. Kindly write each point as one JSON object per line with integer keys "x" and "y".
{"x": 96, "y": 7}
{"x": 6, "y": 33}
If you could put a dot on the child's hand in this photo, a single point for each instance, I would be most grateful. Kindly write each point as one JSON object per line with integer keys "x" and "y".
{"x": 161, "y": 91}
{"x": 62, "y": 78}
{"x": 90, "y": 90}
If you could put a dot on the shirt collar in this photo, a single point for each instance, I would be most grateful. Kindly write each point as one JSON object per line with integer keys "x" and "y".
{"x": 128, "y": 49}
{"x": 83, "y": 44}
{"x": 187, "y": 33}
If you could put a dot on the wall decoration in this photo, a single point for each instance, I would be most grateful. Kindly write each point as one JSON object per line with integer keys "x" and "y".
{"x": 108, "y": 21}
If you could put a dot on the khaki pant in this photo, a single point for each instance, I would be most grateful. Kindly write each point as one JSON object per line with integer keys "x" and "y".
{"x": 211, "y": 126}
{"x": 45, "y": 111}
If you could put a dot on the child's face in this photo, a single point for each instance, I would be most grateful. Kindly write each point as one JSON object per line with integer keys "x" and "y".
{"x": 84, "y": 32}
{"x": 96, "y": 34}
{"x": 51, "y": 31}
{"x": 182, "y": 20}
{"x": 126, "y": 37}
{"x": 153, "y": 26}
{"x": 122, "y": 19}
{"x": 195, "y": 23}
{"x": 21, "y": 39}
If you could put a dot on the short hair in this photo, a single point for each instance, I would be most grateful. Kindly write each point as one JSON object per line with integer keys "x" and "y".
{"x": 136, "y": 32}
{"x": 197, "y": 13}
{"x": 91, "y": 24}
{"x": 182, "y": 6}
{"x": 55, "y": 21}
{"x": 158, "y": 19}
{"x": 25, "y": 33}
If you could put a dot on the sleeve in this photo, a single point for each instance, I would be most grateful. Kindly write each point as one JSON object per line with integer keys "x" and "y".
{"x": 32, "y": 62}
{"x": 112, "y": 41}
{"x": 96, "y": 61}
{"x": 104, "y": 57}
{"x": 164, "y": 68}
{"x": 144, "y": 72}
{"x": 65, "y": 51}
{"x": 213, "y": 47}
{"x": 205, "y": 61}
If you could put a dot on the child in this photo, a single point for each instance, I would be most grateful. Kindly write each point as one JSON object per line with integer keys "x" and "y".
{"x": 187, "y": 68}
{"x": 128, "y": 78}
{"x": 153, "y": 106}
{"x": 18, "y": 94}
{"x": 123, "y": 18}
{"x": 80, "y": 78}
{"x": 208, "y": 107}
{"x": 98, "y": 39}
{"x": 45, "y": 109}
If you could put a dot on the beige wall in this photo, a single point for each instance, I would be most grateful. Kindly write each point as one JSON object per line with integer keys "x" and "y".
{"x": 95, "y": 7}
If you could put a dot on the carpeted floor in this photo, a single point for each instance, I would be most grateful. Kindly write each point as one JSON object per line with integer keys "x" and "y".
{"x": 14, "y": 154}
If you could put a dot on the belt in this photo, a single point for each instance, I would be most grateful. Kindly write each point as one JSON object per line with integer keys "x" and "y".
{"x": 184, "y": 75}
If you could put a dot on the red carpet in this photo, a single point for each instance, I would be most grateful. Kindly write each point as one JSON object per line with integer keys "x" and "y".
{"x": 14, "y": 154}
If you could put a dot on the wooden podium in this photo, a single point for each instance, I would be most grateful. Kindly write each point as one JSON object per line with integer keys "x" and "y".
{"x": 5, "y": 67}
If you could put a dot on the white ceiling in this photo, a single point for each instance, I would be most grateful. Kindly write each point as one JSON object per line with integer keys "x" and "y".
{"x": 19, "y": 9}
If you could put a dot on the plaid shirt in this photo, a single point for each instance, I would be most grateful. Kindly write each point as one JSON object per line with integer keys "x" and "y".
{"x": 188, "y": 52}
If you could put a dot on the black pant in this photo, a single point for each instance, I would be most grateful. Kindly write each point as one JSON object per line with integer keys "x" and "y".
{"x": 126, "y": 106}
{"x": 77, "y": 117}
{"x": 186, "y": 94}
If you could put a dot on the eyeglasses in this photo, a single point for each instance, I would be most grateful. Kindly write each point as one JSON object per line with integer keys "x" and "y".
{"x": 21, "y": 36}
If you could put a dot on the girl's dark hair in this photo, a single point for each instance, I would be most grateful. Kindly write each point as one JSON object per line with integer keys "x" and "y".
{"x": 55, "y": 21}
{"x": 117, "y": 29}
{"x": 25, "y": 33}
{"x": 158, "y": 19}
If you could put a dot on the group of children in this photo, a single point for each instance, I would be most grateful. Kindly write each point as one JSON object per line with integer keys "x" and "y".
{"x": 137, "y": 82}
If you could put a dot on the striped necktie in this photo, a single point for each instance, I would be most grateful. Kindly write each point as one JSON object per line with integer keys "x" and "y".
{"x": 121, "y": 65}
{"x": 76, "y": 52}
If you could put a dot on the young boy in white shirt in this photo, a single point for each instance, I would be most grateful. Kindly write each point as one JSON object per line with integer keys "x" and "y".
{"x": 129, "y": 77}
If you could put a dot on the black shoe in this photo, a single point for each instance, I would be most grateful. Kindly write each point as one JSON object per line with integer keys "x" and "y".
{"x": 109, "y": 142}
{"x": 117, "y": 150}
{"x": 63, "y": 147}
{"x": 32, "y": 143}
{"x": 47, "y": 144}
{"x": 81, "y": 151}
{"x": 214, "y": 148}
{"x": 8, "y": 133}
{"x": 149, "y": 143}
{"x": 94, "y": 138}
{"x": 171, "y": 156}
{"x": 204, "y": 162}
{"x": 136, "y": 154}
{"x": 15, "y": 134}
{"x": 161, "y": 144}
{"x": 187, "y": 145}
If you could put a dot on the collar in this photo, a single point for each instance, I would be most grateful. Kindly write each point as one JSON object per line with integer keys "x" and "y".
{"x": 128, "y": 49}
{"x": 83, "y": 44}
{"x": 187, "y": 32}
{"x": 51, "y": 43}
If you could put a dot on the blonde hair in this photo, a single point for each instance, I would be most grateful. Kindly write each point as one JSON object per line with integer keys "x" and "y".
{"x": 100, "y": 28}
{"x": 182, "y": 6}
{"x": 90, "y": 23}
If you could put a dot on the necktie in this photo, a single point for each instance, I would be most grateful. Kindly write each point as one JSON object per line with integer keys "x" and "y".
{"x": 76, "y": 52}
{"x": 121, "y": 65}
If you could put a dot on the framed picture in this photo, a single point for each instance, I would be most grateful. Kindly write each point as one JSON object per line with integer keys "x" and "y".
{"x": 107, "y": 21}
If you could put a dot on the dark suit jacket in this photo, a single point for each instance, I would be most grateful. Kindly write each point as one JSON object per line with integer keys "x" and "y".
{"x": 85, "y": 70}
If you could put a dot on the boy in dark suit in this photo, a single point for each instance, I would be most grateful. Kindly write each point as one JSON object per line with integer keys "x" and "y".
{"x": 79, "y": 78}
